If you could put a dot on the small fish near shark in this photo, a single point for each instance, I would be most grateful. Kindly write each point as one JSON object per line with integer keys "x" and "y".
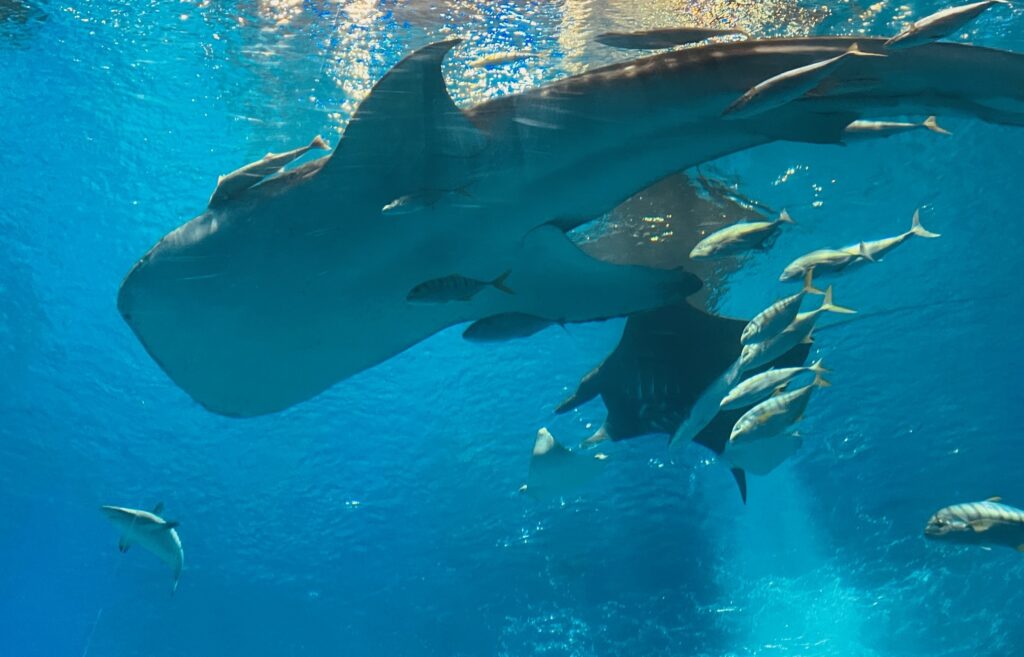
{"x": 455, "y": 288}
{"x": 150, "y": 532}
{"x": 864, "y": 130}
{"x": 739, "y": 238}
{"x": 941, "y": 24}
{"x": 285, "y": 285}
{"x": 978, "y": 523}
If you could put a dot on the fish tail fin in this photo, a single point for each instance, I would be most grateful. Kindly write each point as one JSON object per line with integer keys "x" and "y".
{"x": 932, "y": 124}
{"x": 863, "y": 252}
{"x": 784, "y": 218}
{"x": 855, "y": 50}
{"x": 820, "y": 382}
{"x": 828, "y": 306}
{"x": 741, "y": 481}
{"x": 818, "y": 368}
{"x": 809, "y": 282}
{"x": 917, "y": 229}
{"x": 499, "y": 283}
{"x": 319, "y": 143}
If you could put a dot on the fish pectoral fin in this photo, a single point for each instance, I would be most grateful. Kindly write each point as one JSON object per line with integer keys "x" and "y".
{"x": 123, "y": 544}
{"x": 982, "y": 525}
{"x": 994, "y": 499}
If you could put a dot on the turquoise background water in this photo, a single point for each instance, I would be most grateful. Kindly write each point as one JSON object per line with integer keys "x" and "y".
{"x": 382, "y": 518}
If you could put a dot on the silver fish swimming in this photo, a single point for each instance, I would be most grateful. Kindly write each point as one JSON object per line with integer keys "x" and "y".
{"x": 863, "y": 130}
{"x": 940, "y": 24}
{"x": 234, "y": 184}
{"x": 761, "y": 386}
{"x": 979, "y": 523}
{"x": 151, "y": 532}
{"x": 877, "y": 249}
{"x": 775, "y": 414}
{"x": 455, "y": 288}
{"x": 738, "y": 238}
{"x": 825, "y": 261}
{"x": 789, "y": 85}
{"x": 775, "y": 318}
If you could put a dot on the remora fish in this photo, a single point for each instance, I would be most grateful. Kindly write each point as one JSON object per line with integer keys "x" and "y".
{"x": 250, "y": 306}
{"x": 239, "y": 180}
{"x": 738, "y": 237}
{"x": 760, "y": 353}
{"x": 789, "y": 85}
{"x": 506, "y": 326}
{"x": 860, "y": 130}
{"x": 455, "y": 288}
{"x": 775, "y": 318}
{"x": 151, "y": 532}
{"x": 877, "y": 249}
{"x": 825, "y": 261}
{"x": 940, "y": 24}
{"x": 725, "y": 194}
{"x": 500, "y": 58}
{"x": 662, "y": 38}
{"x": 979, "y": 523}
{"x": 775, "y": 414}
{"x": 556, "y": 471}
{"x": 761, "y": 386}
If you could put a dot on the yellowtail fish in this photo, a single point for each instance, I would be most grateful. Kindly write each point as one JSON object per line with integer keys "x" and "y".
{"x": 775, "y": 318}
{"x": 824, "y": 261}
{"x": 761, "y": 386}
{"x": 979, "y": 523}
{"x": 239, "y": 180}
{"x": 662, "y": 38}
{"x": 861, "y": 130}
{"x": 454, "y": 288}
{"x": 761, "y": 353}
{"x": 775, "y": 414}
{"x": 149, "y": 531}
{"x": 940, "y": 24}
{"x": 877, "y": 249}
{"x": 738, "y": 238}
{"x": 502, "y": 58}
{"x": 788, "y": 86}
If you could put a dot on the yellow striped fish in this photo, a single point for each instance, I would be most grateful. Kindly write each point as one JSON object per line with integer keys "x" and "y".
{"x": 979, "y": 523}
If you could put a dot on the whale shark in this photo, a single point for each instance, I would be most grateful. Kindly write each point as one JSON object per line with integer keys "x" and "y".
{"x": 280, "y": 290}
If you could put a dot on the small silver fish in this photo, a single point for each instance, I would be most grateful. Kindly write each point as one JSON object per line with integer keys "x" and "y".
{"x": 239, "y": 180}
{"x": 663, "y": 37}
{"x": 760, "y": 353}
{"x": 824, "y": 261}
{"x": 979, "y": 523}
{"x": 738, "y": 238}
{"x": 775, "y": 318}
{"x": 877, "y": 249}
{"x": 502, "y": 58}
{"x": 775, "y": 414}
{"x": 940, "y": 24}
{"x": 761, "y": 386}
{"x": 861, "y": 130}
{"x": 455, "y": 288}
{"x": 789, "y": 85}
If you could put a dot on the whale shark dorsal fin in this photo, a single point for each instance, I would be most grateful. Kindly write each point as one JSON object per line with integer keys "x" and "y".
{"x": 408, "y": 125}
{"x": 158, "y": 509}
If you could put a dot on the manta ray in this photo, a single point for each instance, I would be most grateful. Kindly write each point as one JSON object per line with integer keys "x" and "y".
{"x": 288, "y": 284}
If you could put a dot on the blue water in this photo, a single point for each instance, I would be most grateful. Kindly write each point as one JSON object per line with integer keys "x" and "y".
{"x": 382, "y": 517}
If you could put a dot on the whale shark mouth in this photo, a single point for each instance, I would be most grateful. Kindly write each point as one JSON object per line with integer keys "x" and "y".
{"x": 287, "y": 285}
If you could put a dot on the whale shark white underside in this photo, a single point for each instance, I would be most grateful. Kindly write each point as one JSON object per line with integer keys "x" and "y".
{"x": 270, "y": 297}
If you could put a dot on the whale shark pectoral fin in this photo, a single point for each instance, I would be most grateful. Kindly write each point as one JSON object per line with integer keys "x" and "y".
{"x": 123, "y": 544}
{"x": 409, "y": 128}
{"x": 741, "y": 480}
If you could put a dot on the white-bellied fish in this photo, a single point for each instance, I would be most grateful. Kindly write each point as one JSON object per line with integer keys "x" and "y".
{"x": 455, "y": 288}
{"x": 738, "y": 238}
{"x": 556, "y": 471}
{"x": 786, "y": 87}
{"x": 148, "y": 530}
{"x": 877, "y": 249}
{"x": 861, "y": 130}
{"x": 940, "y": 24}
{"x": 775, "y": 414}
{"x": 238, "y": 181}
{"x": 761, "y": 386}
{"x": 502, "y": 58}
{"x": 760, "y": 353}
{"x": 979, "y": 523}
{"x": 824, "y": 261}
{"x": 663, "y": 37}
{"x": 775, "y": 318}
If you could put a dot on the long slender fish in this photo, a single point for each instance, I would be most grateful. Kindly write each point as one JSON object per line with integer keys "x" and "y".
{"x": 979, "y": 523}
{"x": 150, "y": 531}
{"x": 940, "y": 24}
{"x": 773, "y": 415}
{"x": 877, "y": 249}
{"x": 786, "y": 87}
{"x": 824, "y": 261}
{"x": 761, "y": 386}
{"x": 862, "y": 130}
{"x": 662, "y": 38}
{"x": 775, "y": 318}
{"x": 455, "y": 288}
{"x": 502, "y": 58}
{"x": 725, "y": 194}
{"x": 761, "y": 353}
{"x": 233, "y": 184}
{"x": 738, "y": 238}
